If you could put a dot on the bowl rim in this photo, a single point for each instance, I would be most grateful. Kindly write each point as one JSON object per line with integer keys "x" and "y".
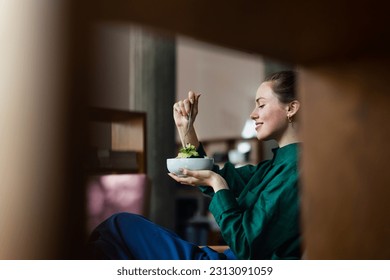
{"x": 204, "y": 158}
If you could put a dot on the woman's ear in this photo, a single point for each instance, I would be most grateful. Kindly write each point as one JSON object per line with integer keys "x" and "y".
{"x": 293, "y": 107}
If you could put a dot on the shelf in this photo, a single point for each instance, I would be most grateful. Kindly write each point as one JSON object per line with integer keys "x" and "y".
{"x": 117, "y": 141}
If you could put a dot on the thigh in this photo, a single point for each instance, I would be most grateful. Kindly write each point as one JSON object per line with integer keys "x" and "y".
{"x": 130, "y": 236}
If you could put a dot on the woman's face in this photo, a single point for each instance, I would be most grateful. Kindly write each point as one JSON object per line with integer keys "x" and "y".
{"x": 270, "y": 115}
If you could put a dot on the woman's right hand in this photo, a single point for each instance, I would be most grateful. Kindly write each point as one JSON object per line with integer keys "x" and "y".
{"x": 201, "y": 178}
{"x": 182, "y": 109}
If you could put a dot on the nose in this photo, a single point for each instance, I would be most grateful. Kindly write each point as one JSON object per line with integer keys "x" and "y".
{"x": 254, "y": 114}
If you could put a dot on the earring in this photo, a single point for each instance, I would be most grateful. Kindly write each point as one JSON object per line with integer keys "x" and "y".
{"x": 289, "y": 118}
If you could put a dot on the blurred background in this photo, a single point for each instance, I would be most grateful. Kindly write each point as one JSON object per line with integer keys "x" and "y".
{"x": 139, "y": 70}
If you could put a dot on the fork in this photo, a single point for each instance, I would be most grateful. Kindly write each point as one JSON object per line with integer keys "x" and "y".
{"x": 189, "y": 119}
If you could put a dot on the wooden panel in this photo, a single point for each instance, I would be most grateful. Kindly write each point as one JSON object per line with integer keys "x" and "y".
{"x": 128, "y": 135}
{"x": 294, "y": 31}
{"x": 41, "y": 202}
{"x": 345, "y": 161}
{"x": 126, "y": 132}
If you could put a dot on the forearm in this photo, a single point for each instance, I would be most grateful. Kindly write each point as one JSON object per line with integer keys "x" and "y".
{"x": 188, "y": 138}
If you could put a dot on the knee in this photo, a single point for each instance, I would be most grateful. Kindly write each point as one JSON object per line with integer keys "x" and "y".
{"x": 120, "y": 218}
{"x": 125, "y": 216}
{"x": 124, "y": 219}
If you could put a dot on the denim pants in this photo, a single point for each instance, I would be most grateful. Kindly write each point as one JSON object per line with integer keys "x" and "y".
{"x": 126, "y": 236}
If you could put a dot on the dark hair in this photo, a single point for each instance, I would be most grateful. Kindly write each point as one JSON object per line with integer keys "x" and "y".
{"x": 283, "y": 85}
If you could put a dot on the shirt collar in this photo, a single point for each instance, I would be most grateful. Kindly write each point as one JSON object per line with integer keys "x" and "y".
{"x": 286, "y": 153}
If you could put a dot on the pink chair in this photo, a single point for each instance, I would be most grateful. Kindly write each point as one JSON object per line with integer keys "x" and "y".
{"x": 109, "y": 194}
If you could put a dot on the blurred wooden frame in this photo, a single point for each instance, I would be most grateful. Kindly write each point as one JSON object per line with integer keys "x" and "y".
{"x": 343, "y": 58}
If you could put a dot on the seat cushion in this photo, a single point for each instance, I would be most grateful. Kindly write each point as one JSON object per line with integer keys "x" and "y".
{"x": 110, "y": 194}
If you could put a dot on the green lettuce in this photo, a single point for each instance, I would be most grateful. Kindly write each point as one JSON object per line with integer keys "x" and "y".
{"x": 187, "y": 152}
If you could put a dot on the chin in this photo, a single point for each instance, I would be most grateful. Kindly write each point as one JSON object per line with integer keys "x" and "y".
{"x": 264, "y": 137}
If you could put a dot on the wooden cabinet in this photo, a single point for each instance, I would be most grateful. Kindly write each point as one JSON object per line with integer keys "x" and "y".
{"x": 117, "y": 173}
{"x": 117, "y": 141}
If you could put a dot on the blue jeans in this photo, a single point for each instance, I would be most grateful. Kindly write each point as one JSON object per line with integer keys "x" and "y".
{"x": 126, "y": 236}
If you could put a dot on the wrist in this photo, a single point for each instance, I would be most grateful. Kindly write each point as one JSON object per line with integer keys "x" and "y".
{"x": 182, "y": 129}
{"x": 219, "y": 183}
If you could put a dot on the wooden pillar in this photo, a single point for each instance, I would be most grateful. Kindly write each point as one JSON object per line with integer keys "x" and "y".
{"x": 346, "y": 178}
{"x": 35, "y": 200}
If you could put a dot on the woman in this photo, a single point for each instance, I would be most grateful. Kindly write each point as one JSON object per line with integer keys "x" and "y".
{"x": 256, "y": 207}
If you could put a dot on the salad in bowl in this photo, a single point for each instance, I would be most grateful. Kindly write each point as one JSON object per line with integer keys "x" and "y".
{"x": 189, "y": 158}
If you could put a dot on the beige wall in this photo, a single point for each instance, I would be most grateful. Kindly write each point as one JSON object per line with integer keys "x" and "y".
{"x": 228, "y": 81}
{"x": 110, "y": 87}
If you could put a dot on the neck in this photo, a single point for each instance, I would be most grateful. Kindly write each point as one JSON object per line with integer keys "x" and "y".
{"x": 290, "y": 136}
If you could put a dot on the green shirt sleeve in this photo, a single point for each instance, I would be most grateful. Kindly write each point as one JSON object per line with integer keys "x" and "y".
{"x": 260, "y": 221}
{"x": 236, "y": 178}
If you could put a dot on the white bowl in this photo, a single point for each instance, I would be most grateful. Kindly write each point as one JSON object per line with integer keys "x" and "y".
{"x": 175, "y": 164}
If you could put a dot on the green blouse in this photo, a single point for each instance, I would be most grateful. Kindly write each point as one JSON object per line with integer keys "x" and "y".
{"x": 259, "y": 214}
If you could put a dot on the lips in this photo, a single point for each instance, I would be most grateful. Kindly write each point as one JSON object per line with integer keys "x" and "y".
{"x": 257, "y": 125}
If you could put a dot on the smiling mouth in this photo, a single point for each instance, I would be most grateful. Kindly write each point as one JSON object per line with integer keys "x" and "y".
{"x": 257, "y": 125}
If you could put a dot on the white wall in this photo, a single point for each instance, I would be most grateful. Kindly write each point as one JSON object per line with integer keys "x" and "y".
{"x": 228, "y": 81}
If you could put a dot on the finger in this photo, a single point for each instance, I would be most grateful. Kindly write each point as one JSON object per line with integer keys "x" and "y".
{"x": 191, "y": 181}
{"x": 182, "y": 108}
{"x": 177, "y": 178}
{"x": 176, "y": 108}
{"x": 189, "y": 173}
{"x": 196, "y": 102}
{"x": 187, "y": 106}
{"x": 191, "y": 96}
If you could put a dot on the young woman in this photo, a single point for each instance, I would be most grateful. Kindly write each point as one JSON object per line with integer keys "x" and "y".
{"x": 256, "y": 207}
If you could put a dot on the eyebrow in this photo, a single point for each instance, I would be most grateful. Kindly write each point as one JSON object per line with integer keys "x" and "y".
{"x": 257, "y": 99}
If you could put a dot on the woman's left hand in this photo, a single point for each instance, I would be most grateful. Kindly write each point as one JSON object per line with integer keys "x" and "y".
{"x": 201, "y": 178}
